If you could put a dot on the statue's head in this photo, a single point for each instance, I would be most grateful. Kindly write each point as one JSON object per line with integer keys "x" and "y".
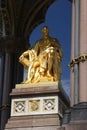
{"x": 45, "y": 31}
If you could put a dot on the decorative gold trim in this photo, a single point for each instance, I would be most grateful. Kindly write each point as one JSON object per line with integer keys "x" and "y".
{"x": 34, "y": 105}
{"x": 81, "y": 58}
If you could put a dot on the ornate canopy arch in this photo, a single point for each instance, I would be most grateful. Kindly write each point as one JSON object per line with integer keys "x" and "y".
{"x": 19, "y": 18}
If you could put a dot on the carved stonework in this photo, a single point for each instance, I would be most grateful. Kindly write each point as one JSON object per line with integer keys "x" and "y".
{"x": 19, "y": 106}
{"x": 34, "y": 105}
{"x": 49, "y": 104}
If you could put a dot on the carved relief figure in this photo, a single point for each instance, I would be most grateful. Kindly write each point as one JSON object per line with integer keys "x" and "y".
{"x": 43, "y": 61}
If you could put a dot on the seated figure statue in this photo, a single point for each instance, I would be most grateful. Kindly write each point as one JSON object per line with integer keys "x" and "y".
{"x": 43, "y": 61}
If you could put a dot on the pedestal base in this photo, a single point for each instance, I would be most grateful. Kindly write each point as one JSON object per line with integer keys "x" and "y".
{"x": 33, "y": 122}
{"x": 37, "y": 107}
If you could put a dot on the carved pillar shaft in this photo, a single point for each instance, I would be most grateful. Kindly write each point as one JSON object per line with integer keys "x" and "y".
{"x": 72, "y": 55}
{"x": 1, "y": 76}
{"x": 6, "y": 88}
{"x": 12, "y": 74}
{"x": 76, "y": 53}
{"x": 1, "y": 80}
{"x": 83, "y": 49}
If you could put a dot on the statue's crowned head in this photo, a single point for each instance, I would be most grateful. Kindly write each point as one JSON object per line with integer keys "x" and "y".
{"x": 45, "y": 31}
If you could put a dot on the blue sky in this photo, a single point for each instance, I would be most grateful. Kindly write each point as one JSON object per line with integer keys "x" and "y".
{"x": 58, "y": 19}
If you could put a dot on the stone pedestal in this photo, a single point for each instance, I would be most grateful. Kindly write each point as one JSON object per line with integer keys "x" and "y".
{"x": 37, "y": 106}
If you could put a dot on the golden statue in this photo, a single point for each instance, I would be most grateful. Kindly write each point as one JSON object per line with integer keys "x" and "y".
{"x": 43, "y": 61}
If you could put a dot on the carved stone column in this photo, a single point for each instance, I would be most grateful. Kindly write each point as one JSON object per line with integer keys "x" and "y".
{"x": 13, "y": 73}
{"x": 6, "y": 88}
{"x": 1, "y": 75}
{"x": 13, "y": 70}
{"x": 76, "y": 116}
{"x": 72, "y": 56}
{"x": 1, "y": 80}
{"x": 83, "y": 50}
